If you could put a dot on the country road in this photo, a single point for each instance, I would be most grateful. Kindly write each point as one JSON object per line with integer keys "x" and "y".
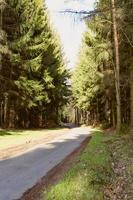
{"x": 22, "y": 172}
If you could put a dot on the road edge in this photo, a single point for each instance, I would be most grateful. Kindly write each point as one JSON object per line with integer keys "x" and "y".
{"x": 54, "y": 175}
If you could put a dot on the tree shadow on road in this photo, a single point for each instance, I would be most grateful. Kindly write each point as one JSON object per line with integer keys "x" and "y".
{"x": 31, "y": 166}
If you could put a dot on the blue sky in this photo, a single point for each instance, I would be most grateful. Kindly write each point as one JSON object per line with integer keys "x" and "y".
{"x": 70, "y": 30}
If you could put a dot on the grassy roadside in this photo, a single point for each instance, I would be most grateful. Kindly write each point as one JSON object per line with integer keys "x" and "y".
{"x": 14, "y": 138}
{"x": 93, "y": 176}
{"x": 86, "y": 179}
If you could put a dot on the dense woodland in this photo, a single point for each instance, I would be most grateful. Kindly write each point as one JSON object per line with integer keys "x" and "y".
{"x": 103, "y": 79}
{"x": 33, "y": 75}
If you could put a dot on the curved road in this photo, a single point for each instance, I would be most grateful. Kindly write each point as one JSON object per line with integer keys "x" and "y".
{"x": 20, "y": 173}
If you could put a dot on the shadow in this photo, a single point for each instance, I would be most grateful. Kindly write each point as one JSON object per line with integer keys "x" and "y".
{"x": 93, "y": 131}
{"x": 10, "y": 132}
{"x": 4, "y": 133}
{"x": 19, "y": 132}
{"x": 20, "y": 173}
{"x": 68, "y": 125}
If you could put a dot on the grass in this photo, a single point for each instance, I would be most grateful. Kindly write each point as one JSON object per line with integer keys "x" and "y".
{"x": 91, "y": 171}
{"x": 14, "y": 138}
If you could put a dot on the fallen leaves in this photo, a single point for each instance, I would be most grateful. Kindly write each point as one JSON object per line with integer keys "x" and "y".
{"x": 121, "y": 187}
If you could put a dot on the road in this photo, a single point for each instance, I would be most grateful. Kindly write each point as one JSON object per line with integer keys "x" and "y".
{"x": 22, "y": 172}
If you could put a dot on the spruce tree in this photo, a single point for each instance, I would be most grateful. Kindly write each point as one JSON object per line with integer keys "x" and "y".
{"x": 33, "y": 69}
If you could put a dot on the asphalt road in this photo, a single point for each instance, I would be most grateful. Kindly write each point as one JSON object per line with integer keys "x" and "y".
{"x": 20, "y": 173}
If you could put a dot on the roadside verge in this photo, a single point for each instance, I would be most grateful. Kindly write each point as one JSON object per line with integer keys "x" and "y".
{"x": 54, "y": 175}
{"x": 103, "y": 171}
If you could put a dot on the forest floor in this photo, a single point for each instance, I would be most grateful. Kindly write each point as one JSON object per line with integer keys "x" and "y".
{"x": 13, "y": 143}
{"x": 103, "y": 171}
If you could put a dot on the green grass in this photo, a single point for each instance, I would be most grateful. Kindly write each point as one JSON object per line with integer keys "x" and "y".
{"x": 3, "y": 133}
{"x": 91, "y": 171}
{"x": 13, "y": 138}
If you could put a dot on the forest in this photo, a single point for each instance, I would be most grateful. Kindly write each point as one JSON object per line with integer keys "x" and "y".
{"x": 66, "y": 134}
{"x": 103, "y": 80}
{"x": 34, "y": 79}
{"x": 33, "y": 74}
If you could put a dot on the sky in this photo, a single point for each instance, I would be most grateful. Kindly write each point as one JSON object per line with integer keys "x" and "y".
{"x": 69, "y": 29}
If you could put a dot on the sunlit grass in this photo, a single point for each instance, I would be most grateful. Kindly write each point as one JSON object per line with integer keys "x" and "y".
{"x": 92, "y": 171}
{"x": 88, "y": 175}
{"x": 13, "y": 138}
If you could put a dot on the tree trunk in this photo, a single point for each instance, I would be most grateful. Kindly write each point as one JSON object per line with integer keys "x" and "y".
{"x": 131, "y": 99}
{"x": 11, "y": 116}
{"x": 113, "y": 113}
{"x": 5, "y": 110}
{"x": 117, "y": 66}
{"x": 1, "y": 113}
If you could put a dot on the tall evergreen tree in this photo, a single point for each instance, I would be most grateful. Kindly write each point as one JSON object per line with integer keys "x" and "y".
{"x": 104, "y": 104}
{"x": 33, "y": 69}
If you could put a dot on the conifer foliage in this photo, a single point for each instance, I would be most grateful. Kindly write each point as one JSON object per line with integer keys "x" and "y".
{"x": 33, "y": 77}
{"x": 96, "y": 76}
